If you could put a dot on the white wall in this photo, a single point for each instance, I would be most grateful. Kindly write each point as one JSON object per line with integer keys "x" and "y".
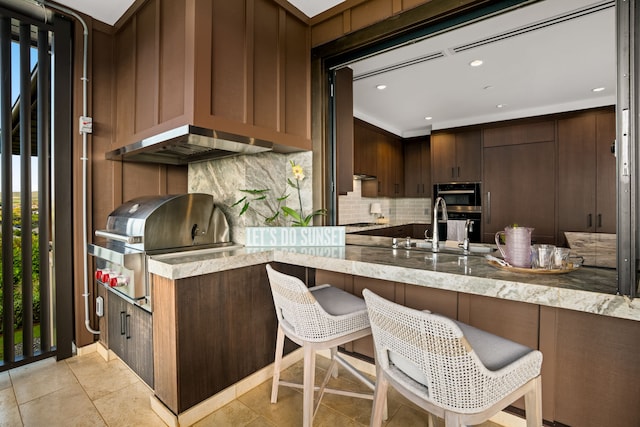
{"x": 354, "y": 208}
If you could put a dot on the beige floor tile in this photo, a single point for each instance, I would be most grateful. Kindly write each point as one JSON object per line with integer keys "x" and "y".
{"x": 9, "y": 412}
{"x": 128, "y": 407}
{"x": 287, "y": 411}
{"x": 5, "y": 380}
{"x": 261, "y": 422}
{"x": 64, "y": 407}
{"x": 40, "y": 378}
{"x": 100, "y": 377}
{"x": 233, "y": 414}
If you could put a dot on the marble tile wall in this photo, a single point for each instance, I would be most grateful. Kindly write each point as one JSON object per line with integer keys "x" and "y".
{"x": 225, "y": 178}
{"x": 354, "y": 208}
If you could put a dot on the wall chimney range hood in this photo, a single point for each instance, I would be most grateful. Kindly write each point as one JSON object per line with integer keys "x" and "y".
{"x": 187, "y": 144}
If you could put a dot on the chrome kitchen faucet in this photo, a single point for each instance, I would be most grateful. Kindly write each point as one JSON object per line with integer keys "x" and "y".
{"x": 439, "y": 201}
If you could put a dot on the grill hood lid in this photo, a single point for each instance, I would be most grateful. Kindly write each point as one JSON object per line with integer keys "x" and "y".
{"x": 188, "y": 144}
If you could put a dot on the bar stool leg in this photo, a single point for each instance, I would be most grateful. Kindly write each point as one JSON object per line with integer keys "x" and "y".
{"x": 334, "y": 351}
{"x": 276, "y": 365}
{"x": 308, "y": 385}
{"x": 533, "y": 404}
{"x": 379, "y": 410}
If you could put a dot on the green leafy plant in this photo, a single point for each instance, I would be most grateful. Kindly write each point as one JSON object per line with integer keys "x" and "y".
{"x": 277, "y": 211}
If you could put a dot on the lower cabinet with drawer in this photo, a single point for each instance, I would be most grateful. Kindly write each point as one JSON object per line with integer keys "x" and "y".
{"x": 130, "y": 336}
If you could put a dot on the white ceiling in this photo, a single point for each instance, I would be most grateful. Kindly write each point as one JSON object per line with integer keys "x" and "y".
{"x": 541, "y": 71}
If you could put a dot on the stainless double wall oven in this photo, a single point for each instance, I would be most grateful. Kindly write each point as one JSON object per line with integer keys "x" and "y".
{"x": 464, "y": 201}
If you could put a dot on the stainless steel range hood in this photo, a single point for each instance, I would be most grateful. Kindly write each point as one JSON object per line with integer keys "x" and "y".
{"x": 188, "y": 144}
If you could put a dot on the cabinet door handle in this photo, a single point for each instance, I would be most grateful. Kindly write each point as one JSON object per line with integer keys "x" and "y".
{"x": 599, "y": 220}
{"x": 453, "y": 172}
{"x": 422, "y": 188}
{"x": 128, "y": 326}
{"x": 488, "y": 207}
{"x": 417, "y": 188}
{"x": 122, "y": 323}
{"x": 589, "y": 221}
{"x": 458, "y": 171}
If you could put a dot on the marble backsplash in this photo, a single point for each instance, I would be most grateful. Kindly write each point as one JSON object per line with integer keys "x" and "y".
{"x": 224, "y": 178}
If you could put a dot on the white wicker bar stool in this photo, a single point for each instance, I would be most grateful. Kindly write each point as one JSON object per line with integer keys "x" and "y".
{"x": 318, "y": 318}
{"x": 452, "y": 370}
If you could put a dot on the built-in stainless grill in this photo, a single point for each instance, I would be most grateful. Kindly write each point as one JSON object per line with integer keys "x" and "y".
{"x": 151, "y": 225}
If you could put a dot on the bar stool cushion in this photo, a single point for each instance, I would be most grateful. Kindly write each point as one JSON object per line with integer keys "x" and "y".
{"x": 337, "y": 302}
{"x": 493, "y": 351}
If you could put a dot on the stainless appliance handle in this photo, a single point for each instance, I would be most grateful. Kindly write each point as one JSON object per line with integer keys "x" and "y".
{"x": 447, "y": 192}
{"x": 488, "y": 207}
{"x": 119, "y": 237}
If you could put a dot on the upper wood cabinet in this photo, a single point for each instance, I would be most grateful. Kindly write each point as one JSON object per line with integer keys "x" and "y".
{"x": 241, "y": 67}
{"x": 586, "y": 173}
{"x": 378, "y": 155}
{"x": 456, "y": 156}
{"x": 365, "y": 149}
{"x": 343, "y": 80}
{"x": 519, "y": 179}
{"x": 417, "y": 167}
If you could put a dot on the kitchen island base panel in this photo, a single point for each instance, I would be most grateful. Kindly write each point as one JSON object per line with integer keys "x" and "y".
{"x": 224, "y": 397}
{"x": 212, "y": 331}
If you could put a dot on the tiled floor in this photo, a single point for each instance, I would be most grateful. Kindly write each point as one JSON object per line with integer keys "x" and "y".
{"x": 89, "y": 391}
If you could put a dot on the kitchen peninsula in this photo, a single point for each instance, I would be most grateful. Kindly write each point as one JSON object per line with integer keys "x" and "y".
{"x": 589, "y": 336}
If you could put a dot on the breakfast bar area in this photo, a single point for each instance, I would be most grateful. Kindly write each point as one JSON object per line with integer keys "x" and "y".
{"x": 588, "y": 335}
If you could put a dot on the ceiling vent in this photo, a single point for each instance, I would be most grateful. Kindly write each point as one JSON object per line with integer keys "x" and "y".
{"x": 559, "y": 19}
{"x": 399, "y": 65}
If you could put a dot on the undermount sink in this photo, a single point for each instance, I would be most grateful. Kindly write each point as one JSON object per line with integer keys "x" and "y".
{"x": 451, "y": 246}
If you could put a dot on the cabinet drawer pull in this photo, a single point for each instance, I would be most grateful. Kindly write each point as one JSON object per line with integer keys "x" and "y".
{"x": 128, "y": 326}
{"x": 122, "y": 323}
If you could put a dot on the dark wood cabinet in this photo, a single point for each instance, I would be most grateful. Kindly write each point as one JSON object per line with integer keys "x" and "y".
{"x": 210, "y": 331}
{"x": 456, "y": 156}
{"x": 415, "y": 231}
{"x": 378, "y": 156}
{"x": 344, "y": 130}
{"x": 365, "y": 149}
{"x": 589, "y": 369}
{"x": 390, "y": 168}
{"x": 417, "y": 167}
{"x": 520, "y": 179}
{"x": 586, "y": 173}
{"x": 130, "y": 336}
{"x": 241, "y": 67}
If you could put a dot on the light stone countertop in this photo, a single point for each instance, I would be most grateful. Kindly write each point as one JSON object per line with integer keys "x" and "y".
{"x": 587, "y": 289}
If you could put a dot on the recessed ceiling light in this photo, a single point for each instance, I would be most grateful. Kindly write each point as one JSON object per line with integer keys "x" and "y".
{"x": 428, "y": 118}
{"x": 501, "y": 105}
{"x": 597, "y": 89}
{"x": 476, "y": 63}
{"x": 381, "y": 87}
